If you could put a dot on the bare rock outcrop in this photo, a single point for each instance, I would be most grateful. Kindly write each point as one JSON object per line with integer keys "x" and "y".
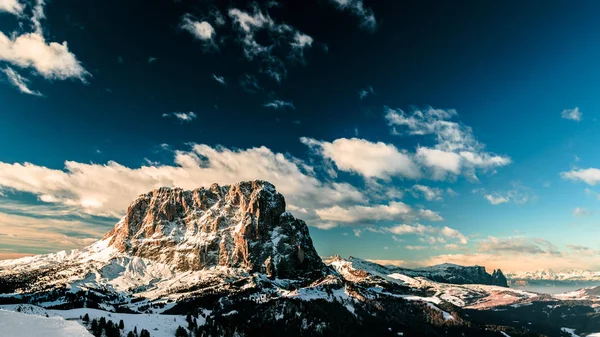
{"x": 244, "y": 225}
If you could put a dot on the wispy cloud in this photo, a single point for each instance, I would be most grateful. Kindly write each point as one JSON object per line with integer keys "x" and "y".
{"x": 572, "y": 114}
{"x": 362, "y": 214}
{"x": 281, "y": 39}
{"x": 519, "y": 194}
{"x": 363, "y": 93}
{"x": 580, "y": 211}
{"x": 201, "y": 30}
{"x": 517, "y": 245}
{"x": 279, "y": 104}
{"x": 19, "y": 81}
{"x": 182, "y": 116}
{"x": 43, "y": 235}
{"x": 430, "y": 232}
{"x": 250, "y": 84}
{"x": 219, "y": 79}
{"x": 496, "y": 199}
{"x": 152, "y": 59}
{"x": 429, "y": 193}
{"x": 357, "y": 8}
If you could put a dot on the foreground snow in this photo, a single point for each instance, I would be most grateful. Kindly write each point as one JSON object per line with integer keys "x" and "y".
{"x": 158, "y": 325}
{"x": 15, "y": 324}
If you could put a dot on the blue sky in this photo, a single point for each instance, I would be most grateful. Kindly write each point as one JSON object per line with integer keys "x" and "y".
{"x": 407, "y": 132}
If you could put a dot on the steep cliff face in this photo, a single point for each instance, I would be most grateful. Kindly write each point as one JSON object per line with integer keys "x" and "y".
{"x": 499, "y": 279}
{"x": 238, "y": 226}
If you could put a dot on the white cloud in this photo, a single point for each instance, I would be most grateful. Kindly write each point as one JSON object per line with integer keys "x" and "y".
{"x": 429, "y": 193}
{"x": 363, "y": 93}
{"x": 108, "y": 189}
{"x": 427, "y": 231}
{"x": 519, "y": 194}
{"x": 299, "y": 43}
{"x": 11, "y": 6}
{"x": 455, "y": 149}
{"x": 19, "y": 81}
{"x": 397, "y": 263}
{"x": 517, "y": 245}
{"x": 430, "y": 215}
{"x": 219, "y": 79}
{"x": 371, "y": 160}
{"x": 572, "y": 114}
{"x": 360, "y": 213}
{"x": 455, "y": 234}
{"x": 579, "y": 211}
{"x": 496, "y": 199}
{"x": 182, "y": 116}
{"x": 484, "y": 160}
{"x": 356, "y": 7}
{"x": 415, "y": 247}
{"x": 279, "y": 104}
{"x": 51, "y": 60}
{"x": 38, "y": 15}
{"x": 590, "y": 176}
{"x": 201, "y": 30}
{"x": 452, "y": 246}
{"x": 441, "y": 162}
{"x": 249, "y": 22}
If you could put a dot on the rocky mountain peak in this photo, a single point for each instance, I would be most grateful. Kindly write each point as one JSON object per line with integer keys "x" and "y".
{"x": 243, "y": 225}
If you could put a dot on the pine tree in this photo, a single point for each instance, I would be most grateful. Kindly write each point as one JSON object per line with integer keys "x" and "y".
{"x": 86, "y": 318}
{"x": 130, "y": 334}
{"x": 96, "y": 329}
{"x": 181, "y": 332}
{"x": 144, "y": 333}
{"x": 121, "y": 325}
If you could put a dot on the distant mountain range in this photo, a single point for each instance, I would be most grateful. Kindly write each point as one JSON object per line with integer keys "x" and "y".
{"x": 230, "y": 261}
{"x": 553, "y": 275}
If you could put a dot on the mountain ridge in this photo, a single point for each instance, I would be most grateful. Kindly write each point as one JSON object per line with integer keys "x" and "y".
{"x": 233, "y": 254}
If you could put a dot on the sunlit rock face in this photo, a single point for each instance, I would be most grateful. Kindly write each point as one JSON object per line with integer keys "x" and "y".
{"x": 244, "y": 225}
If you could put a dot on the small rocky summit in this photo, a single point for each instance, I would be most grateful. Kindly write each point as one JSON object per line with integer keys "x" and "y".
{"x": 243, "y": 226}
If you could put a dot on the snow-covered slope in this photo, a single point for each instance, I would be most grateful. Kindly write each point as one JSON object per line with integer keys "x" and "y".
{"x": 383, "y": 279}
{"x": 160, "y": 325}
{"x": 15, "y": 324}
